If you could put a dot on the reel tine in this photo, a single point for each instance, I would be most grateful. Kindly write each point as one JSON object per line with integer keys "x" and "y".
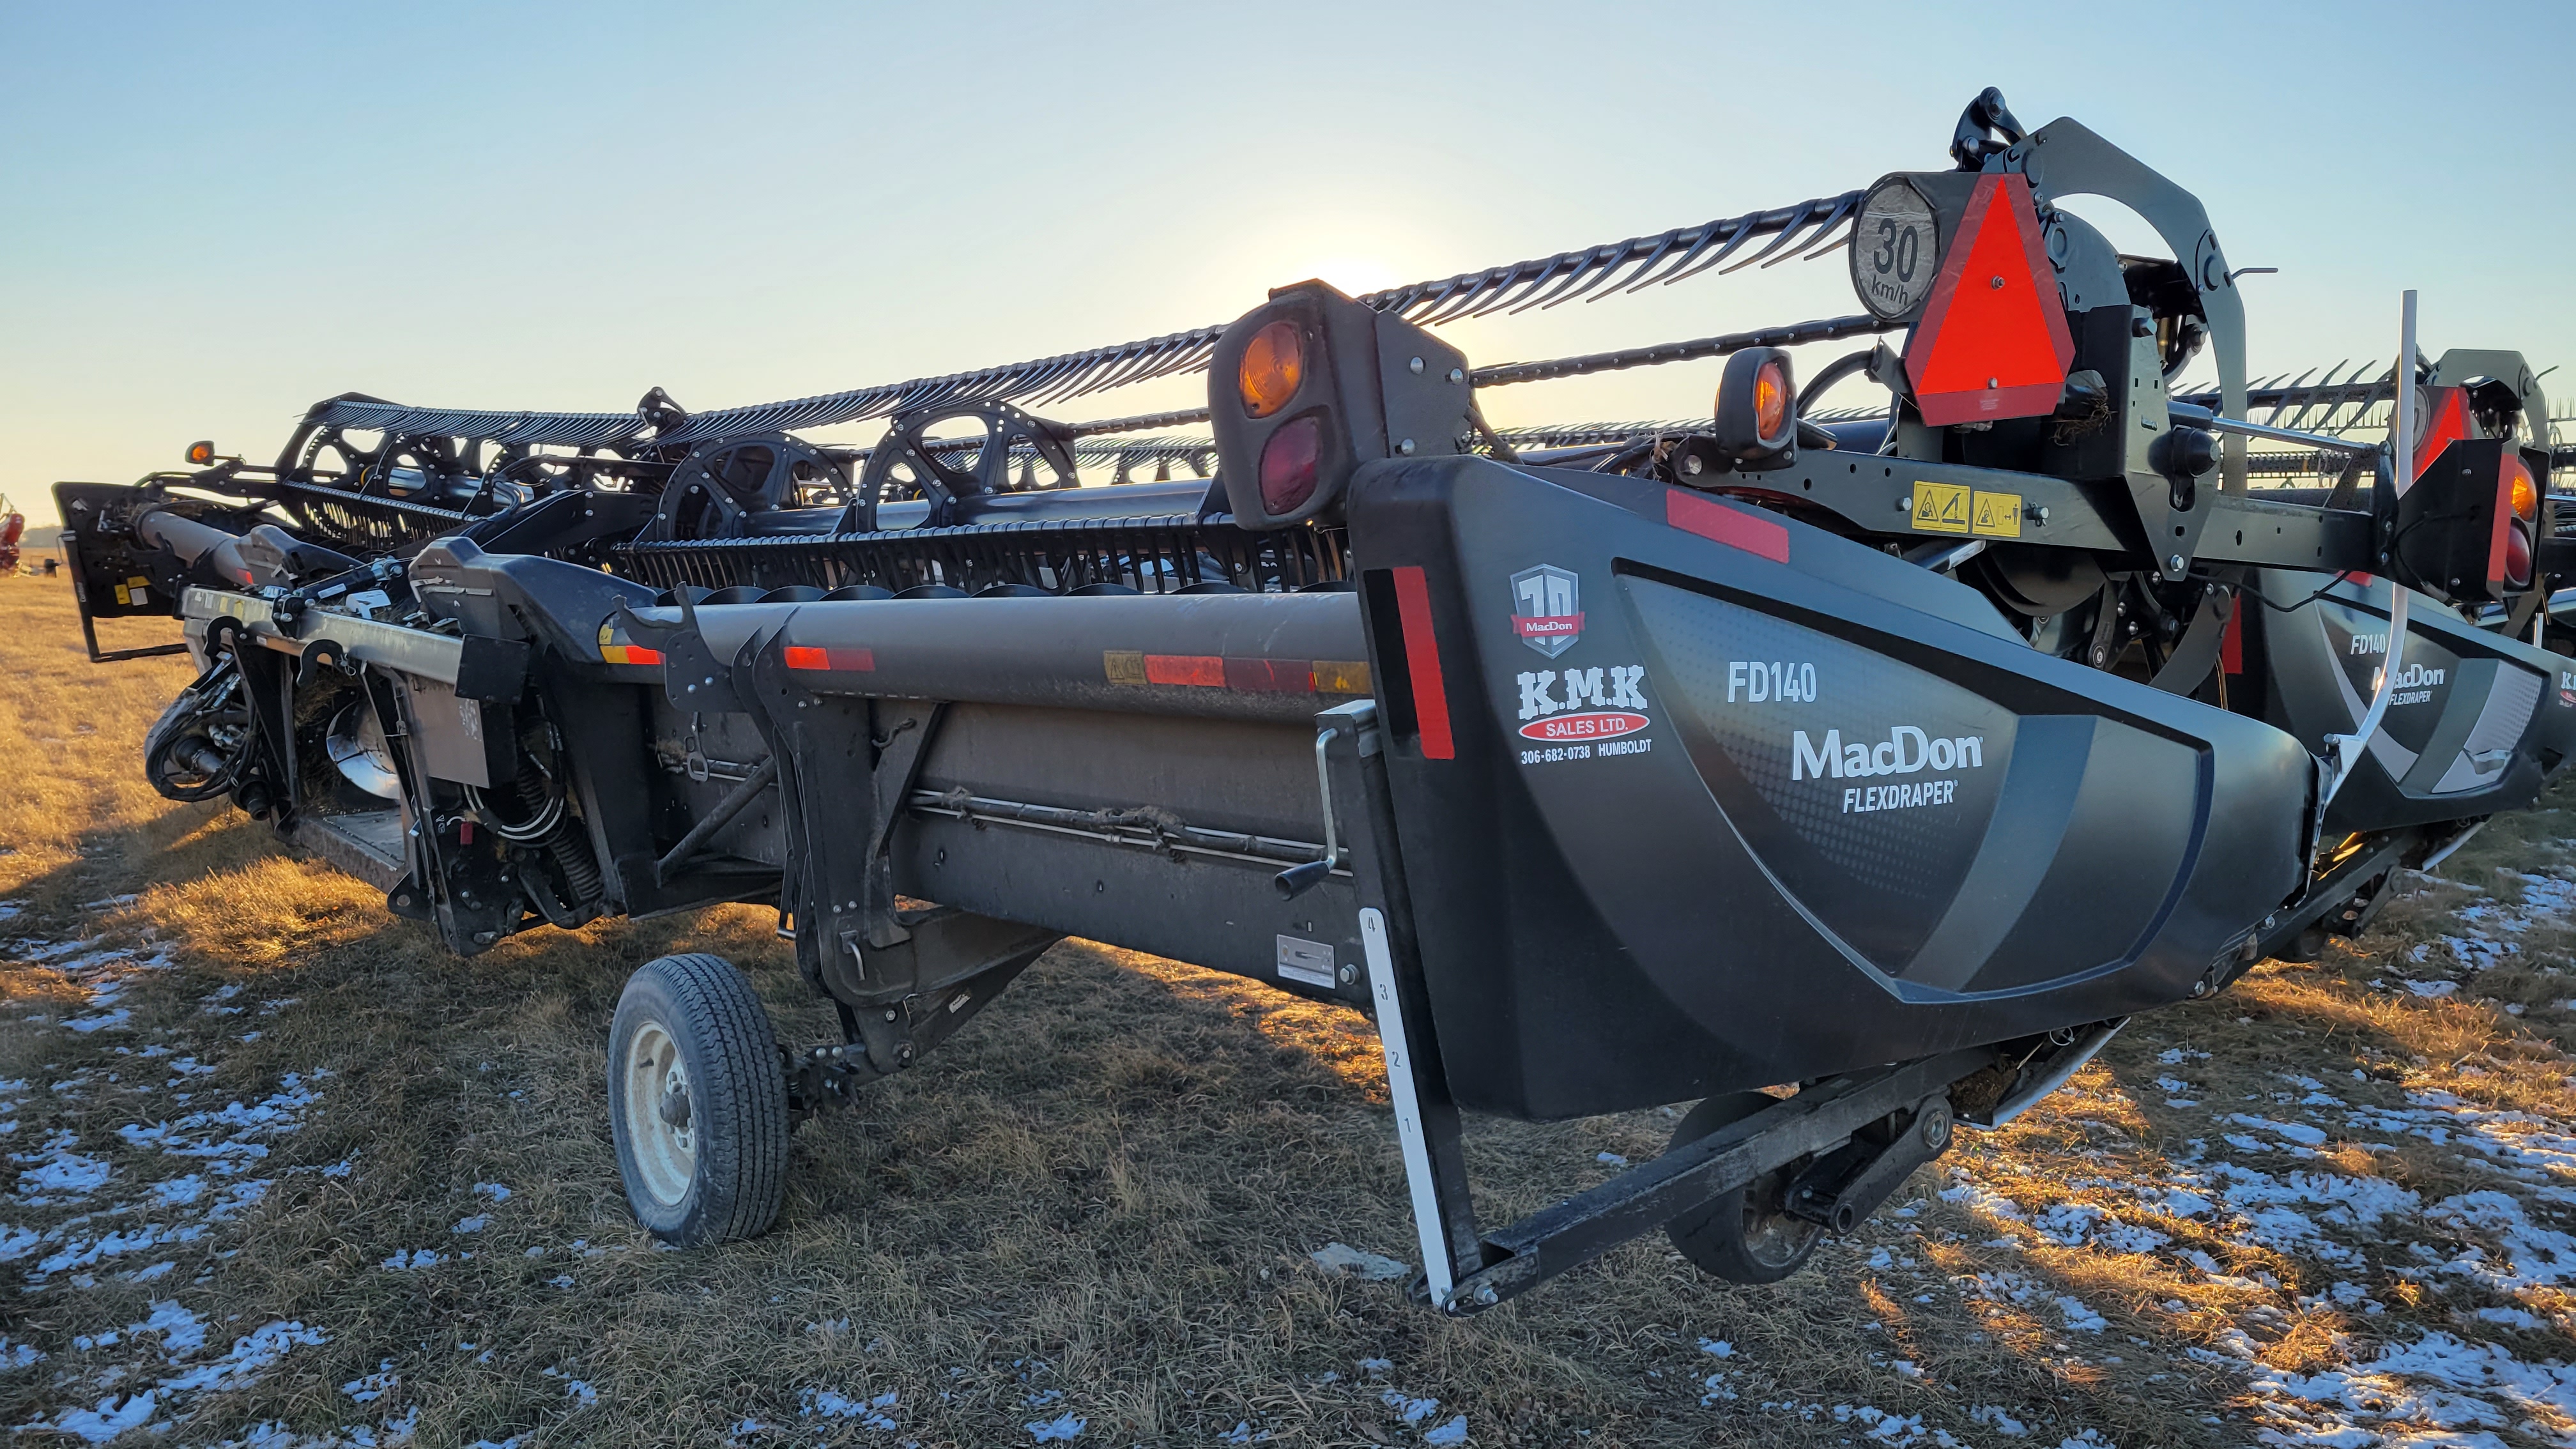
{"x": 1787, "y": 234}
{"x": 1708, "y": 236}
{"x": 1459, "y": 303}
{"x": 1592, "y": 264}
{"x": 2353, "y": 387}
{"x": 1136, "y": 367}
{"x": 1663, "y": 248}
{"x": 1490, "y": 295}
{"x": 2288, "y": 392}
{"x": 1042, "y": 384}
{"x": 1516, "y": 293}
{"x": 1687, "y": 268}
{"x": 1838, "y": 243}
{"x": 2323, "y": 389}
{"x": 1663, "y": 244}
{"x": 1843, "y": 207}
{"x": 1425, "y": 297}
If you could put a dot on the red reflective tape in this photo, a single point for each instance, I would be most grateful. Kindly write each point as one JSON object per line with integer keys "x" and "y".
{"x": 1734, "y": 527}
{"x": 808, "y": 656}
{"x": 2231, "y": 644}
{"x": 1270, "y": 676}
{"x": 1207, "y": 670}
{"x": 1422, "y": 661}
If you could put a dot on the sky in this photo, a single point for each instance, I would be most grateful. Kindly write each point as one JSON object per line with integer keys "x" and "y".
{"x": 212, "y": 216}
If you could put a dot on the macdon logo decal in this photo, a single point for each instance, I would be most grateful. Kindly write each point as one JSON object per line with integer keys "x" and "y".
{"x": 1547, "y": 608}
{"x": 2414, "y": 684}
{"x": 1905, "y": 751}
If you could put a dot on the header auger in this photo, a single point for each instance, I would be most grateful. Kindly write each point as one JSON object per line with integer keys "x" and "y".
{"x": 1898, "y": 756}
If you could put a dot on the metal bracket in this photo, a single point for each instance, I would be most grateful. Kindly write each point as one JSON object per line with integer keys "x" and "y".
{"x": 1426, "y": 1116}
{"x": 1296, "y": 880}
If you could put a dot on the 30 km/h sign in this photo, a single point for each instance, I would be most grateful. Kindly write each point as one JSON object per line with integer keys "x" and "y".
{"x": 1896, "y": 251}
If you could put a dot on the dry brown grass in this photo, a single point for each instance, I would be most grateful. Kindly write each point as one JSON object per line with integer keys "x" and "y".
{"x": 1104, "y": 1190}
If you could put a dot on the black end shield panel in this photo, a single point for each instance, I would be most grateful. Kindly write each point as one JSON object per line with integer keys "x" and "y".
{"x": 2476, "y": 721}
{"x": 1767, "y": 804}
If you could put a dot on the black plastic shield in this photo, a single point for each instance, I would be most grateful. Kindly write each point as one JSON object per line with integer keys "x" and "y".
{"x": 1732, "y": 801}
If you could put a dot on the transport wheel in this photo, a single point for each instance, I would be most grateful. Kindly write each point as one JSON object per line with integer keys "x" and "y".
{"x": 697, "y": 1102}
{"x": 1745, "y": 1236}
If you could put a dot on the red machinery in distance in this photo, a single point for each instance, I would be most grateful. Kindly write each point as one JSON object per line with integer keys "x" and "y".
{"x": 13, "y": 527}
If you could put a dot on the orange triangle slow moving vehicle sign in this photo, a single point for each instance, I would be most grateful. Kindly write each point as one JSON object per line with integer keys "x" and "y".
{"x": 1993, "y": 341}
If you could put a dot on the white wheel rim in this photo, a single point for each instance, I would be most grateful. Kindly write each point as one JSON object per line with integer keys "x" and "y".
{"x": 665, "y": 1153}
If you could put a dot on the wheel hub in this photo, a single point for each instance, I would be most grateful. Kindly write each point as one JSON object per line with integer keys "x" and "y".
{"x": 663, "y": 1138}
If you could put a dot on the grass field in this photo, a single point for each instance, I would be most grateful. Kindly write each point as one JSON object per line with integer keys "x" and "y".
{"x": 284, "y": 1174}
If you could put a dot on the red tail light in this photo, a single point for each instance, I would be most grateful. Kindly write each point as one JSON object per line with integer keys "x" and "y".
{"x": 2517, "y": 556}
{"x": 1288, "y": 464}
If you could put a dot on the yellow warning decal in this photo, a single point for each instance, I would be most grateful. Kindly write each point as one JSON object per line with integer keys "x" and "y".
{"x": 1941, "y": 507}
{"x": 1341, "y": 676}
{"x": 1996, "y": 515}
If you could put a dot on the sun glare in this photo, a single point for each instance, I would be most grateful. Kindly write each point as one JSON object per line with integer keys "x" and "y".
{"x": 1352, "y": 274}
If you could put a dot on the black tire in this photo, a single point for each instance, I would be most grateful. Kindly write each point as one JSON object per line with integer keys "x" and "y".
{"x": 1743, "y": 1236}
{"x": 709, "y": 1165}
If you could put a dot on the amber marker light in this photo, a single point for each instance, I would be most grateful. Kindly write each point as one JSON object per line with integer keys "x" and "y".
{"x": 201, "y": 453}
{"x": 1771, "y": 400}
{"x": 2525, "y": 496}
{"x": 1272, "y": 367}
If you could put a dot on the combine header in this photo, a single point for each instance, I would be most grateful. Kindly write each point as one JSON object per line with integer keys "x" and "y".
{"x": 1897, "y": 759}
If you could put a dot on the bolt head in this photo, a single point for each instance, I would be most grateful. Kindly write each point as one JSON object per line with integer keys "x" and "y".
{"x": 1348, "y": 973}
{"x": 2174, "y": 563}
{"x": 1905, "y": 504}
{"x": 1416, "y": 365}
{"x": 1487, "y": 1296}
{"x": 1457, "y": 374}
{"x": 1405, "y": 447}
{"x": 1997, "y": 284}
